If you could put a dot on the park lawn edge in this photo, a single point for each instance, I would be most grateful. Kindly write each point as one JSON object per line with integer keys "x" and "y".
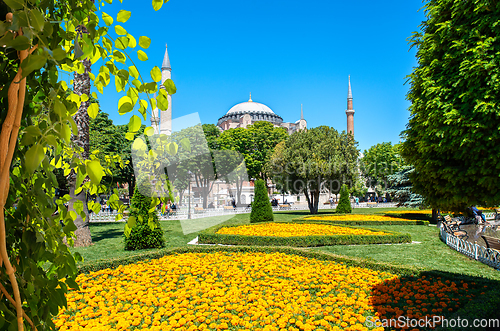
{"x": 486, "y": 304}
{"x": 209, "y": 236}
{"x": 358, "y": 222}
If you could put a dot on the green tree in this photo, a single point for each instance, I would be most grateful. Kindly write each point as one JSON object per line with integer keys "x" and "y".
{"x": 400, "y": 188}
{"x": 261, "y": 206}
{"x": 39, "y": 43}
{"x": 344, "y": 206}
{"x": 256, "y": 143}
{"x": 453, "y": 132}
{"x": 379, "y": 162}
{"x": 146, "y": 232}
{"x": 316, "y": 160}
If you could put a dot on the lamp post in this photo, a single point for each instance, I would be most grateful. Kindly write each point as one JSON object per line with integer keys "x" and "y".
{"x": 189, "y": 196}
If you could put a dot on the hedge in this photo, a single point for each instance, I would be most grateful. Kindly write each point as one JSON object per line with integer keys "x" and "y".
{"x": 360, "y": 222}
{"x": 210, "y": 236}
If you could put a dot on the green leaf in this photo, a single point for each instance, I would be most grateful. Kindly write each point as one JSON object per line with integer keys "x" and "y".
{"x": 144, "y": 42}
{"x": 123, "y": 16}
{"x": 93, "y": 110}
{"x": 36, "y": 19}
{"x": 20, "y": 43}
{"x": 131, "y": 41}
{"x": 172, "y": 148}
{"x": 129, "y": 135}
{"x": 156, "y": 74}
{"x": 59, "y": 54}
{"x": 96, "y": 208}
{"x": 95, "y": 171}
{"x": 186, "y": 144}
{"x": 142, "y": 56}
{"x": 34, "y": 157}
{"x": 125, "y": 105}
{"x": 121, "y": 42}
{"x": 131, "y": 221}
{"x": 170, "y": 86}
{"x": 108, "y": 20}
{"x": 14, "y": 4}
{"x": 149, "y": 131}
{"x": 133, "y": 71}
{"x": 157, "y": 4}
{"x": 120, "y": 30}
{"x": 134, "y": 124}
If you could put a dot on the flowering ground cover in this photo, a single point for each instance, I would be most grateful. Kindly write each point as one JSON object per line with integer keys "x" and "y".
{"x": 298, "y": 234}
{"x": 253, "y": 291}
{"x": 362, "y": 219}
{"x": 296, "y": 229}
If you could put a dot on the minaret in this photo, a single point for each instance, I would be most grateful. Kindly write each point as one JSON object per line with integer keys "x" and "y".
{"x": 166, "y": 115}
{"x": 350, "y": 112}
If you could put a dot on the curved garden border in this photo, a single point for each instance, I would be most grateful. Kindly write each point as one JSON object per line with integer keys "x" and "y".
{"x": 210, "y": 236}
{"x": 477, "y": 252}
{"x": 360, "y": 221}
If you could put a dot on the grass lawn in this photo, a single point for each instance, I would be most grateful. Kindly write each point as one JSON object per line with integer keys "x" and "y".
{"x": 430, "y": 254}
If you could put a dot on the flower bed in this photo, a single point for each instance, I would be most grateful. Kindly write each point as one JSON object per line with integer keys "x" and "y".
{"x": 295, "y": 230}
{"x": 361, "y": 219}
{"x": 297, "y": 234}
{"x": 253, "y": 291}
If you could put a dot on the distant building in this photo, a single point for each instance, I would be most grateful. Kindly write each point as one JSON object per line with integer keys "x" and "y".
{"x": 247, "y": 113}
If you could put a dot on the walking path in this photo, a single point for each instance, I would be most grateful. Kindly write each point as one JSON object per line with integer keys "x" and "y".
{"x": 106, "y": 216}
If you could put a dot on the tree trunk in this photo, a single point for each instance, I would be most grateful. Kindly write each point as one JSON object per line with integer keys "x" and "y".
{"x": 81, "y": 85}
{"x": 434, "y": 216}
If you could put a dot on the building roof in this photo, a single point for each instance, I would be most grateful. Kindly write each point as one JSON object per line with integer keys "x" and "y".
{"x": 166, "y": 60}
{"x": 250, "y": 107}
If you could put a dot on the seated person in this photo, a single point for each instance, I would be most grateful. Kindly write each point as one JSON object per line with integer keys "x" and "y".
{"x": 480, "y": 218}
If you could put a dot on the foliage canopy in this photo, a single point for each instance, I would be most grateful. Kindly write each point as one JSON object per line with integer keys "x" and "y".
{"x": 453, "y": 134}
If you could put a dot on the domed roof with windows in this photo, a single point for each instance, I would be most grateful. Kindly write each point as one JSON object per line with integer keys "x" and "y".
{"x": 256, "y": 110}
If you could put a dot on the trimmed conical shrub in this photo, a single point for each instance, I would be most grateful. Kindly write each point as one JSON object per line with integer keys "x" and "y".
{"x": 146, "y": 233}
{"x": 344, "y": 206}
{"x": 261, "y": 206}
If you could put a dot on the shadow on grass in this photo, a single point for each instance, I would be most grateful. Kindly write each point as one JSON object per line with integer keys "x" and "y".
{"x": 444, "y": 300}
{"x": 109, "y": 234}
{"x": 305, "y": 212}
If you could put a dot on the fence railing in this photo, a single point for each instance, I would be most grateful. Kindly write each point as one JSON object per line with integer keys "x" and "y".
{"x": 485, "y": 255}
{"x": 109, "y": 216}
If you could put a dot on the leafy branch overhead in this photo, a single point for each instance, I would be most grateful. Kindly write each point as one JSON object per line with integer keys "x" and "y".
{"x": 41, "y": 44}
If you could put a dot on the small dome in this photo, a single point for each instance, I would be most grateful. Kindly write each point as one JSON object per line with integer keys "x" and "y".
{"x": 250, "y": 107}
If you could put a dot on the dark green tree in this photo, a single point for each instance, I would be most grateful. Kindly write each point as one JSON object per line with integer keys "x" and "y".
{"x": 261, "y": 206}
{"x": 256, "y": 143}
{"x": 400, "y": 188}
{"x": 453, "y": 134}
{"x": 314, "y": 161}
{"x": 380, "y": 161}
{"x": 147, "y": 232}
{"x": 344, "y": 206}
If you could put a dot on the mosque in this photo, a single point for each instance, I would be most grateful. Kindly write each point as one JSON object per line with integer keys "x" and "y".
{"x": 240, "y": 115}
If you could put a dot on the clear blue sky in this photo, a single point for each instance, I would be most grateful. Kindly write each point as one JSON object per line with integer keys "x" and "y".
{"x": 286, "y": 53}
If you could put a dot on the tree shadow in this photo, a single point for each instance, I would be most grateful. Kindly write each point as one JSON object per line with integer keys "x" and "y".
{"x": 435, "y": 299}
{"x": 305, "y": 212}
{"x": 107, "y": 234}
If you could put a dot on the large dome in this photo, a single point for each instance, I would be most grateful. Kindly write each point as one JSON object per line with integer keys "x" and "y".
{"x": 250, "y": 107}
{"x": 257, "y": 112}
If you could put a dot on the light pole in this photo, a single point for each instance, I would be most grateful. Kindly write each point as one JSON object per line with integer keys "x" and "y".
{"x": 189, "y": 196}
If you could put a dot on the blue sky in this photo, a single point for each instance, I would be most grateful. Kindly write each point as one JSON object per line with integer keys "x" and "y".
{"x": 286, "y": 53}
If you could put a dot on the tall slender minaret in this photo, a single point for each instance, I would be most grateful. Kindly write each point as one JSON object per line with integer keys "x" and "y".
{"x": 166, "y": 115}
{"x": 350, "y": 112}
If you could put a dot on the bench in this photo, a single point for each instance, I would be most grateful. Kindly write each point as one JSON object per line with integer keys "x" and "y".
{"x": 371, "y": 204}
{"x": 457, "y": 233}
{"x": 228, "y": 207}
{"x": 198, "y": 209}
{"x": 491, "y": 242}
{"x": 285, "y": 206}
